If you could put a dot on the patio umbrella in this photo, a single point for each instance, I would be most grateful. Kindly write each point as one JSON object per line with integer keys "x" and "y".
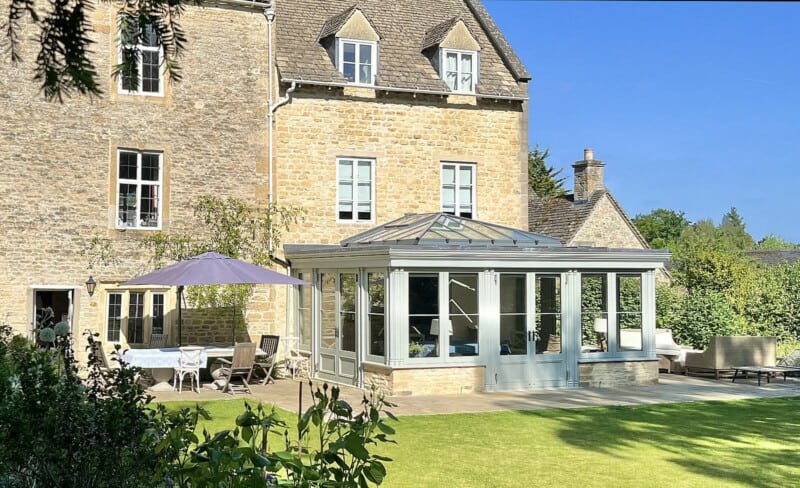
{"x": 211, "y": 268}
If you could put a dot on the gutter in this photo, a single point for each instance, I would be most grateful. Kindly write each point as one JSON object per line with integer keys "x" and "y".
{"x": 414, "y": 91}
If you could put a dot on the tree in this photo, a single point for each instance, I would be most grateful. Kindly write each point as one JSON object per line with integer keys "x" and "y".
{"x": 732, "y": 232}
{"x": 63, "y": 64}
{"x": 661, "y": 228}
{"x": 543, "y": 179}
{"x": 773, "y": 242}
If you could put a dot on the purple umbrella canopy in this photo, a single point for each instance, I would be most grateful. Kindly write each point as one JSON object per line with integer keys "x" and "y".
{"x": 211, "y": 269}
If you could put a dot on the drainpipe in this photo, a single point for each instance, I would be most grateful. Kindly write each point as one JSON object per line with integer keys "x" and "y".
{"x": 269, "y": 13}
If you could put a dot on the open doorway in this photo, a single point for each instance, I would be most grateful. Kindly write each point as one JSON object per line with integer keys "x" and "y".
{"x": 51, "y": 306}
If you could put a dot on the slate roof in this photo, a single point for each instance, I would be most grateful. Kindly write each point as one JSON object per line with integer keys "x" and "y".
{"x": 402, "y": 26}
{"x": 561, "y": 217}
{"x": 335, "y": 23}
{"x": 774, "y": 258}
{"x": 438, "y": 33}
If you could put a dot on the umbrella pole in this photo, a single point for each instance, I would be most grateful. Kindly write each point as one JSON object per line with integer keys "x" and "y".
{"x": 180, "y": 318}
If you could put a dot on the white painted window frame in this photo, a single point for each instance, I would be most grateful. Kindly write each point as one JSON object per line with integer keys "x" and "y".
{"x": 340, "y": 42}
{"x": 163, "y": 296}
{"x": 460, "y": 53}
{"x": 139, "y": 182}
{"x": 473, "y": 193}
{"x": 354, "y": 189}
{"x": 121, "y": 316}
{"x": 142, "y": 48}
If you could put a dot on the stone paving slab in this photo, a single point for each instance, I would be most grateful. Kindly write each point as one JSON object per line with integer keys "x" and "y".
{"x": 671, "y": 388}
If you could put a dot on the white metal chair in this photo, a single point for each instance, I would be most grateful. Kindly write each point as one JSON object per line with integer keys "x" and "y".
{"x": 296, "y": 361}
{"x": 188, "y": 364}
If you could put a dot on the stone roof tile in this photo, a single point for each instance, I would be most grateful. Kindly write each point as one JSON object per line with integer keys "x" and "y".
{"x": 402, "y": 26}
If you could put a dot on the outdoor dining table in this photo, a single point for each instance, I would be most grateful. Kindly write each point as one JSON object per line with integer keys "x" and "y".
{"x": 163, "y": 361}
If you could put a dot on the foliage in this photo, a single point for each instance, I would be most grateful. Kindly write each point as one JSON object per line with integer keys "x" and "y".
{"x": 710, "y": 270}
{"x": 774, "y": 242}
{"x": 340, "y": 456}
{"x": 700, "y": 315}
{"x": 732, "y": 231}
{"x": 543, "y": 179}
{"x": 100, "y": 251}
{"x": 56, "y": 430}
{"x": 63, "y": 64}
{"x": 661, "y": 228}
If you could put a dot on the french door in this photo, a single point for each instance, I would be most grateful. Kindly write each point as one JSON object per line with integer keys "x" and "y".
{"x": 338, "y": 331}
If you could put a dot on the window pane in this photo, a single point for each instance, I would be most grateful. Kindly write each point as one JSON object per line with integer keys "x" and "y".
{"x": 328, "y": 311}
{"x": 364, "y": 192}
{"x": 135, "y": 333}
{"x": 365, "y": 74}
{"x": 629, "y": 312}
{"x": 513, "y": 335}
{"x": 548, "y": 316}
{"x": 451, "y": 79}
{"x": 594, "y": 312}
{"x": 150, "y": 72}
{"x": 127, "y": 205}
{"x": 114, "y": 317}
{"x": 128, "y": 162}
{"x": 377, "y": 295}
{"x": 448, "y": 197}
{"x": 449, "y": 175}
{"x": 466, "y": 64}
{"x": 512, "y": 294}
{"x": 304, "y": 311}
{"x": 150, "y": 36}
{"x": 149, "y": 208}
{"x": 150, "y": 163}
{"x": 345, "y": 192}
{"x": 365, "y": 54}
{"x": 465, "y": 175}
{"x": 452, "y": 62}
{"x": 347, "y": 311}
{"x": 364, "y": 170}
{"x": 423, "y": 315}
{"x": 348, "y": 52}
{"x": 465, "y": 198}
{"x": 157, "y": 325}
{"x": 349, "y": 71}
{"x": 464, "y": 314}
{"x": 345, "y": 170}
{"x": 128, "y": 74}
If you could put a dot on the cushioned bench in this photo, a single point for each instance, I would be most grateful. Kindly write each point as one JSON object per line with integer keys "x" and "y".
{"x": 724, "y": 353}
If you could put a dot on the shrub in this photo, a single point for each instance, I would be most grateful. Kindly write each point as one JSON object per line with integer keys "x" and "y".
{"x": 702, "y": 314}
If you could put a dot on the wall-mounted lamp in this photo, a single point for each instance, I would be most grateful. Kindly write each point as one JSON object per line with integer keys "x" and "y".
{"x": 90, "y": 285}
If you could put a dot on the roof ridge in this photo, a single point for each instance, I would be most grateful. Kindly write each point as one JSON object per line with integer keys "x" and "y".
{"x": 501, "y": 44}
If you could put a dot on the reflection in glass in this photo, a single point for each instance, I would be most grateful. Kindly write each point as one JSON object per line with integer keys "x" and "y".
{"x": 377, "y": 294}
{"x": 328, "y": 311}
{"x": 423, "y": 313}
{"x": 463, "y": 314}
{"x": 548, "y": 314}
{"x": 513, "y": 337}
{"x": 629, "y": 312}
{"x": 347, "y": 311}
{"x": 303, "y": 294}
{"x": 594, "y": 312}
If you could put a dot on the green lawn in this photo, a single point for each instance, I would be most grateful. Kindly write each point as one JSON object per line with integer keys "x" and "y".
{"x": 742, "y": 443}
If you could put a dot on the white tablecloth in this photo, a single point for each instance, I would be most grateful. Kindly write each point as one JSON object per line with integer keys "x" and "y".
{"x": 167, "y": 357}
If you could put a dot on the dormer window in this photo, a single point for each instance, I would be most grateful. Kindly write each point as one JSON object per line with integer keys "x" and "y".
{"x": 458, "y": 70}
{"x": 357, "y": 61}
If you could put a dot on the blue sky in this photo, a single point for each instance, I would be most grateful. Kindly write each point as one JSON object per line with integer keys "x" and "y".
{"x": 693, "y": 106}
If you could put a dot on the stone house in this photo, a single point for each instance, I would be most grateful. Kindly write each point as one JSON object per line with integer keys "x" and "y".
{"x": 589, "y": 216}
{"x": 401, "y": 128}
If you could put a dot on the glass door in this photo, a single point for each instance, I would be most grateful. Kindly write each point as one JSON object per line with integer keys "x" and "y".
{"x": 516, "y": 332}
{"x": 338, "y": 331}
{"x": 549, "y": 364}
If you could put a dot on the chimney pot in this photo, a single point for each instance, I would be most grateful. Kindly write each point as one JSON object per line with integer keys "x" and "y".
{"x": 588, "y": 154}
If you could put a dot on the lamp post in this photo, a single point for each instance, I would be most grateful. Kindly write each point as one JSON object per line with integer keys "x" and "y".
{"x": 90, "y": 285}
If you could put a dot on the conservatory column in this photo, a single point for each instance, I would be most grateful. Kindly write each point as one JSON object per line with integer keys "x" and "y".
{"x": 571, "y": 325}
{"x": 397, "y": 318}
{"x": 649, "y": 312}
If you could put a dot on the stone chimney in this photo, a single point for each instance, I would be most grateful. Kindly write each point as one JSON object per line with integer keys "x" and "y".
{"x": 588, "y": 176}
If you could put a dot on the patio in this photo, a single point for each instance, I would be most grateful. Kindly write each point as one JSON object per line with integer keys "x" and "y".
{"x": 670, "y": 389}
